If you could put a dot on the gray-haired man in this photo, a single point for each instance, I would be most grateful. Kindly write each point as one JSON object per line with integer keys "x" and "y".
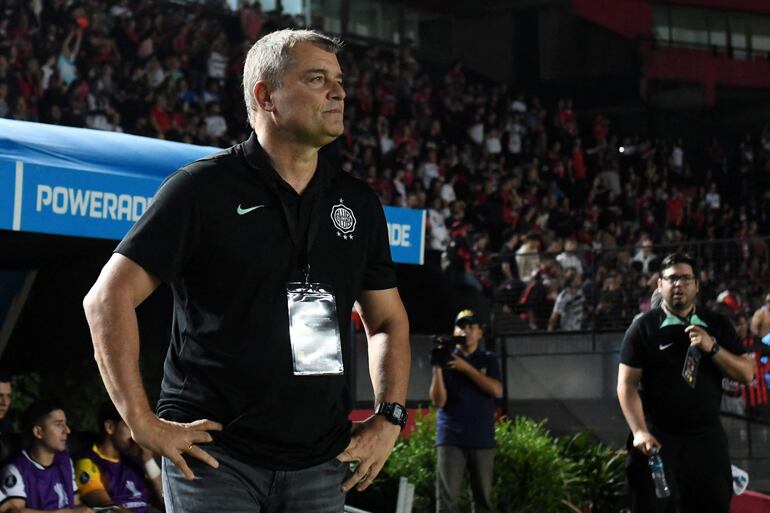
{"x": 266, "y": 248}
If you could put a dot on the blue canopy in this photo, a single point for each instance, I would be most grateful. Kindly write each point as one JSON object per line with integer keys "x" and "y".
{"x": 80, "y": 182}
{"x": 89, "y": 183}
{"x": 96, "y": 151}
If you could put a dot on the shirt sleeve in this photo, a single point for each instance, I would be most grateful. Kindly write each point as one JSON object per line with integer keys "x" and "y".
{"x": 728, "y": 338}
{"x": 493, "y": 366}
{"x": 89, "y": 478}
{"x": 165, "y": 237}
{"x": 558, "y": 305}
{"x": 631, "y": 350}
{"x": 12, "y": 485}
{"x": 380, "y": 273}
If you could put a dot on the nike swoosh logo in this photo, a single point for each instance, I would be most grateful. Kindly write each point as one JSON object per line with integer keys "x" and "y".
{"x": 241, "y": 211}
{"x": 662, "y": 347}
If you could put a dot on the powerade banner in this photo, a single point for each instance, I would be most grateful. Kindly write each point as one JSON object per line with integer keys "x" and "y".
{"x": 79, "y": 182}
{"x": 89, "y": 183}
{"x": 406, "y": 231}
{"x": 62, "y": 202}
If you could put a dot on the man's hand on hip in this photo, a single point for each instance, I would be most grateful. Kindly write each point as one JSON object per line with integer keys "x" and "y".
{"x": 645, "y": 442}
{"x": 173, "y": 439}
{"x": 370, "y": 445}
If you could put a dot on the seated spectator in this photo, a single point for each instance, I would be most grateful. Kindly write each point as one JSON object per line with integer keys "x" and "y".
{"x": 538, "y": 298}
{"x": 215, "y": 122}
{"x": 645, "y": 256}
{"x": 568, "y": 311}
{"x": 438, "y": 233}
{"x": 509, "y": 271}
{"x": 656, "y": 298}
{"x": 713, "y": 199}
{"x": 480, "y": 260}
{"x": 528, "y": 257}
{"x": 610, "y": 312}
{"x": 568, "y": 259}
{"x": 116, "y": 470}
{"x": 457, "y": 262}
{"x": 42, "y": 478}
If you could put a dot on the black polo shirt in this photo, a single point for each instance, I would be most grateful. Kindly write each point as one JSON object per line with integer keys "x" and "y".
{"x": 217, "y": 232}
{"x": 658, "y": 344}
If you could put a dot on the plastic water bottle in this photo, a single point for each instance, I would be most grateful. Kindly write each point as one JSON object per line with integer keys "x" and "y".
{"x": 658, "y": 476}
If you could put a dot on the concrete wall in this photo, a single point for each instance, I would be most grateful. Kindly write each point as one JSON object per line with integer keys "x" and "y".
{"x": 567, "y": 379}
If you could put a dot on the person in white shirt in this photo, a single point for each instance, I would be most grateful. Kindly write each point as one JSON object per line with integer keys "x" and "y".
{"x": 448, "y": 190}
{"x": 429, "y": 170}
{"x": 528, "y": 257}
{"x": 215, "y": 122}
{"x": 476, "y": 130}
{"x": 519, "y": 105}
{"x": 439, "y": 233}
{"x": 568, "y": 310}
{"x": 567, "y": 259}
{"x": 713, "y": 200}
{"x": 645, "y": 255}
{"x": 492, "y": 142}
{"x": 516, "y": 132}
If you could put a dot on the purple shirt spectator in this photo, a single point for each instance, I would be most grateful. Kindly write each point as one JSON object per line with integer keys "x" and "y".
{"x": 43, "y": 488}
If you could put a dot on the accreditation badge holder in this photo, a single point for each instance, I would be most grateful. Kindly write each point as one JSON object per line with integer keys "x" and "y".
{"x": 691, "y": 364}
{"x": 314, "y": 329}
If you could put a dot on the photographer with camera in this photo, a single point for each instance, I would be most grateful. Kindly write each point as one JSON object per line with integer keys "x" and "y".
{"x": 465, "y": 384}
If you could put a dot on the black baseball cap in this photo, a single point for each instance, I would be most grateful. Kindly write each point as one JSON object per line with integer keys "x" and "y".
{"x": 466, "y": 317}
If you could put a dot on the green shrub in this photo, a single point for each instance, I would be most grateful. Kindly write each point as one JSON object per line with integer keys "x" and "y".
{"x": 601, "y": 473}
{"x": 534, "y": 471}
{"x": 415, "y": 458}
{"x": 531, "y": 474}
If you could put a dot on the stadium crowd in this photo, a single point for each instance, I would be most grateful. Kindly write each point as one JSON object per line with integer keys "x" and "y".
{"x": 538, "y": 206}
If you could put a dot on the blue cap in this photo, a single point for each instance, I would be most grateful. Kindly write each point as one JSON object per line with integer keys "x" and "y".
{"x": 466, "y": 317}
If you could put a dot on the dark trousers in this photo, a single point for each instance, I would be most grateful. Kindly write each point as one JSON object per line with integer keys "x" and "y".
{"x": 236, "y": 487}
{"x": 450, "y": 469}
{"x": 697, "y": 471}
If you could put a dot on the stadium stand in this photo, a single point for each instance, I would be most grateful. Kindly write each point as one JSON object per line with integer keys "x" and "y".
{"x": 518, "y": 186}
{"x": 479, "y": 156}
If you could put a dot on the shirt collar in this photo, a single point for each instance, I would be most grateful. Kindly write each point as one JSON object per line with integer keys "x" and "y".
{"x": 672, "y": 319}
{"x": 258, "y": 159}
{"x": 103, "y": 456}
{"x": 32, "y": 460}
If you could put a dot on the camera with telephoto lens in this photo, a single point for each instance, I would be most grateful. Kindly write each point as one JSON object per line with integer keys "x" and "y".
{"x": 441, "y": 353}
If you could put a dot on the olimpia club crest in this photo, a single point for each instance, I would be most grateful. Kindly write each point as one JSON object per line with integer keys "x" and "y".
{"x": 344, "y": 220}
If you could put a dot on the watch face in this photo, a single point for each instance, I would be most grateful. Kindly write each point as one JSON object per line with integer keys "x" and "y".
{"x": 398, "y": 412}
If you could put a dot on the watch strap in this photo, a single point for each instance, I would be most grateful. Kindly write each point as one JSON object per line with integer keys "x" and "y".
{"x": 395, "y": 413}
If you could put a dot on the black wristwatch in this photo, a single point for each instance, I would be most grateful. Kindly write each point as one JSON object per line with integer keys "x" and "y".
{"x": 394, "y": 412}
{"x": 714, "y": 349}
